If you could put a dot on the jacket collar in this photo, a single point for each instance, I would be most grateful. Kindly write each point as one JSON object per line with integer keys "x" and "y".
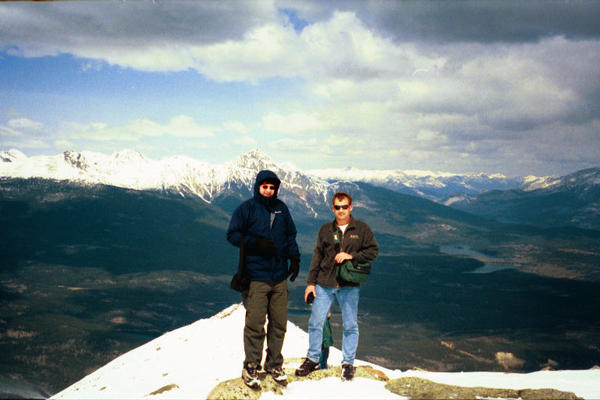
{"x": 351, "y": 224}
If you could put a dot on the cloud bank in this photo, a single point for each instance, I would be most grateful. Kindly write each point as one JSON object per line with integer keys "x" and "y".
{"x": 464, "y": 86}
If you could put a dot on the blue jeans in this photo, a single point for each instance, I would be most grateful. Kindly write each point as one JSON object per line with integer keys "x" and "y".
{"x": 347, "y": 298}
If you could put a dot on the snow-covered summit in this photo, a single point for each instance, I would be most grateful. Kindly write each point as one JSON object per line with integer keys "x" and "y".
{"x": 583, "y": 179}
{"x": 184, "y": 175}
{"x": 433, "y": 185}
{"x": 190, "y": 361}
{"x": 11, "y": 155}
{"x": 130, "y": 169}
{"x": 255, "y": 160}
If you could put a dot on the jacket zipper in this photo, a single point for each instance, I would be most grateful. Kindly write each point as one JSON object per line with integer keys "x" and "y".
{"x": 337, "y": 285}
{"x": 271, "y": 221}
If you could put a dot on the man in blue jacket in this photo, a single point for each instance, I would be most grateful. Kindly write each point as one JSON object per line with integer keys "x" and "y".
{"x": 266, "y": 226}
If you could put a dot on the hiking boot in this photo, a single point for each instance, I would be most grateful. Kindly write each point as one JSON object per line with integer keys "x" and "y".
{"x": 347, "y": 372}
{"x": 278, "y": 375}
{"x": 250, "y": 376}
{"x": 307, "y": 367}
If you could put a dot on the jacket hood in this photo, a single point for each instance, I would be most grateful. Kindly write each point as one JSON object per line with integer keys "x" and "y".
{"x": 271, "y": 177}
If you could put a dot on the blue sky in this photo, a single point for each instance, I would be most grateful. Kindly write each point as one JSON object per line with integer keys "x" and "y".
{"x": 470, "y": 86}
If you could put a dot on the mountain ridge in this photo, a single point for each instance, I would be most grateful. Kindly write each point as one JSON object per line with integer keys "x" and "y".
{"x": 186, "y": 175}
{"x": 571, "y": 200}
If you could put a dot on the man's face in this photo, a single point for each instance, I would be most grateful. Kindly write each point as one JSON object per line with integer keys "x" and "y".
{"x": 341, "y": 208}
{"x": 266, "y": 189}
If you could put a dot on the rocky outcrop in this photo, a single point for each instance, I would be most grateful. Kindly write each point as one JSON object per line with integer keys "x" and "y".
{"x": 423, "y": 389}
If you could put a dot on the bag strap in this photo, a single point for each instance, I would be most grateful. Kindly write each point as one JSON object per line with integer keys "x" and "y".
{"x": 336, "y": 241}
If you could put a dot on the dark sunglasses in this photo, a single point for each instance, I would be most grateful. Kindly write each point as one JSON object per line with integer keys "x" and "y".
{"x": 345, "y": 207}
{"x": 270, "y": 187}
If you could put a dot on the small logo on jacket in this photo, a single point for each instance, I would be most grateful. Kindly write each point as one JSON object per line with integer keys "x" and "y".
{"x": 353, "y": 236}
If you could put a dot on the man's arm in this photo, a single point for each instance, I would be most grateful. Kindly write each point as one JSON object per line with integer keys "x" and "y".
{"x": 292, "y": 244}
{"x": 314, "y": 268}
{"x": 238, "y": 226}
{"x": 369, "y": 249}
{"x": 309, "y": 289}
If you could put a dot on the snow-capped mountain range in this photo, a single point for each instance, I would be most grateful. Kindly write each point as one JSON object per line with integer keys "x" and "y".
{"x": 191, "y": 361}
{"x": 130, "y": 169}
{"x": 185, "y": 175}
{"x": 570, "y": 200}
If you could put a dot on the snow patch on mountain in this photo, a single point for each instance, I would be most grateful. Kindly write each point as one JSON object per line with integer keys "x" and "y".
{"x": 433, "y": 185}
{"x": 531, "y": 183}
{"x": 189, "y": 362}
{"x": 188, "y": 176}
{"x": 11, "y": 155}
{"x": 455, "y": 199}
{"x": 583, "y": 179}
{"x": 182, "y": 175}
{"x": 355, "y": 174}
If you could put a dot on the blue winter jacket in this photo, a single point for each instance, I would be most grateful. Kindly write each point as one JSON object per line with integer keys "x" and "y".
{"x": 253, "y": 219}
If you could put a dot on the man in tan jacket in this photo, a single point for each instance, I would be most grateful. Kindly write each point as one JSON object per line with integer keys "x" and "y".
{"x": 355, "y": 241}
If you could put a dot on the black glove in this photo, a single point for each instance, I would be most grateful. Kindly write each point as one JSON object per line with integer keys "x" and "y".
{"x": 265, "y": 246}
{"x": 294, "y": 268}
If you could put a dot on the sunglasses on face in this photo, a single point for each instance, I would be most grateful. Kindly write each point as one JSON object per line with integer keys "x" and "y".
{"x": 270, "y": 187}
{"x": 344, "y": 207}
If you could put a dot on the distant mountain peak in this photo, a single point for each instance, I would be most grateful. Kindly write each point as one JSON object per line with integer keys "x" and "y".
{"x": 128, "y": 155}
{"x": 75, "y": 159}
{"x": 255, "y": 155}
{"x": 255, "y": 160}
{"x": 11, "y": 155}
{"x": 129, "y": 168}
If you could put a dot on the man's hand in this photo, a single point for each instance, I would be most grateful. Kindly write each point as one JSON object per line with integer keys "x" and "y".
{"x": 341, "y": 257}
{"x": 265, "y": 246}
{"x": 294, "y": 268}
{"x": 309, "y": 289}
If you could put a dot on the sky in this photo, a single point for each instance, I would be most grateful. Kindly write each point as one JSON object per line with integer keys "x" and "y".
{"x": 507, "y": 87}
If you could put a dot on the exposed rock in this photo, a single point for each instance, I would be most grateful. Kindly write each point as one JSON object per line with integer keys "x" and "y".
{"x": 236, "y": 389}
{"x": 550, "y": 365}
{"x": 508, "y": 360}
{"x": 423, "y": 389}
{"x": 163, "y": 389}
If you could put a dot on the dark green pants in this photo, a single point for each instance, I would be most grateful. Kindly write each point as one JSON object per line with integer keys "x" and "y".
{"x": 265, "y": 299}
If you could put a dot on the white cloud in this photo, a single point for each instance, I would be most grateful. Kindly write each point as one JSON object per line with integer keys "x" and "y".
{"x": 341, "y": 47}
{"x": 7, "y": 131}
{"x": 18, "y": 127}
{"x": 22, "y": 131}
{"x": 64, "y": 144}
{"x": 294, "y": 123}
{"x": 297, "y": 145}
{"x": 24, "y": 123}
{"x": 245, "y": 141}
{"x": 147, "y": 36}
{"x": 185, "y": 126}
{"x": 235, "y": 126}
{"x": 180, "y": 126}
{"x": 26, "y": 144}
{"x": 414, "y": 101}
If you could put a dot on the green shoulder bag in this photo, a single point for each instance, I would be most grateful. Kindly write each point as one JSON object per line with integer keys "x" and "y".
{"x": 348, "y": 271}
